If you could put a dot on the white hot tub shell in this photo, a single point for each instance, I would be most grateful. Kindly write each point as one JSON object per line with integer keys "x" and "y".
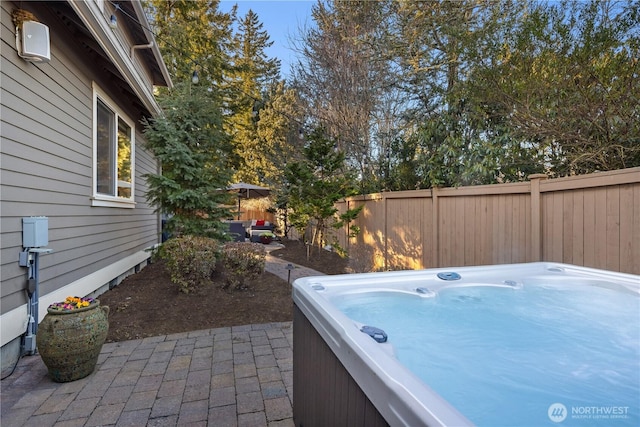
{"x": 344, "y": 377}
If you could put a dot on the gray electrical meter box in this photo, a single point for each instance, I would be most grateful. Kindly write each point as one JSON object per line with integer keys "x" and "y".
{"x": 35, "y": 231}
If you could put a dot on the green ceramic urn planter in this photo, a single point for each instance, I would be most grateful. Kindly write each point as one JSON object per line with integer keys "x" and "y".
{"x": 70, "y": 337}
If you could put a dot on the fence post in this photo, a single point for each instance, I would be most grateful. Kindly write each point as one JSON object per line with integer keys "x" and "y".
{"x": 536, "y": 216}
{"x": 349, "y": 242}
{"x": 435, "y": 226}
{"x": 386, "y": 235}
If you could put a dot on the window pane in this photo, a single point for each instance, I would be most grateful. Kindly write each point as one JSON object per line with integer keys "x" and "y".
{"x": 105, "y": 151}
{"x": 124, "y": 159}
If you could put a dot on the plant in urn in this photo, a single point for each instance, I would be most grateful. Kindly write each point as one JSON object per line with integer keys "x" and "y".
{"x": 70, "y": 337}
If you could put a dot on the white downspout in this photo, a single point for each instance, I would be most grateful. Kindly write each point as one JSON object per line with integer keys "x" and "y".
{"x": 139, "y": 46}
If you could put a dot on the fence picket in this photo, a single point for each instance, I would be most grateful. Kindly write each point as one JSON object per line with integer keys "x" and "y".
{"x": 591, "y": 220}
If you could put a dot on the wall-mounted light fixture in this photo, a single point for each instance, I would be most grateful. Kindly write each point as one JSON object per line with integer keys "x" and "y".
{"x": 113, "y": 19}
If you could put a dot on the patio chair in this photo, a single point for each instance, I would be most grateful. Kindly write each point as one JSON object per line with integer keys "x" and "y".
{"x": 236, "y": 229}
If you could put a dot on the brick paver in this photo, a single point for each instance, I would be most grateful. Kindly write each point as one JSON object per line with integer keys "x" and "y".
{"x": 238, "y": 376}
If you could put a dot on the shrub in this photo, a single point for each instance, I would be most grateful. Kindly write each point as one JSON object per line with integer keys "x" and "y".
{"x": 190, "y": 260}
{"x": 242, "y": 262}
{"x": 364, "y": 259}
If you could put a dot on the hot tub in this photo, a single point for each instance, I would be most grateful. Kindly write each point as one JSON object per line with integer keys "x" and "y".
{"x": 521, "y": 344}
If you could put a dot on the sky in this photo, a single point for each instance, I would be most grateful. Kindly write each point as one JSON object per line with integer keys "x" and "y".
{"x": 281, "y": 19}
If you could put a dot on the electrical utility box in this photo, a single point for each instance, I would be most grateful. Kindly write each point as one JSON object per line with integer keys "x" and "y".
{"x": 35, "y": 231}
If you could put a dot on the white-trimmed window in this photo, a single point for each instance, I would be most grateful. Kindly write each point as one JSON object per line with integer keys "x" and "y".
{"x": 113, "y": 153}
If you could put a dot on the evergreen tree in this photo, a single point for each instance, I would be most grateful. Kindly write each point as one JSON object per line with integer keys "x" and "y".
{"x": 315, "y": 184}
{"x": 193, "y": 151}
{"x": 278, "y": 132}
{"x": 279, "y": 135}
{"x": 253, "y": 74}
{"x": 193, "y": 36}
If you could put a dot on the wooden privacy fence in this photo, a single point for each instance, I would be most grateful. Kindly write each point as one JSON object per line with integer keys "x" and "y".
{"x": 250, "y": 214}
{"x": 590, "y": 220}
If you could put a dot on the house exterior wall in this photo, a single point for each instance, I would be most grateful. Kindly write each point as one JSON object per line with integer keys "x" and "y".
{"x": 46, "y": 158}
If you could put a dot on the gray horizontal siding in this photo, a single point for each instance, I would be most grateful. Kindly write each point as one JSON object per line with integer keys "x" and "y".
{"x": 31, "y": 174}
{"x": 55, "y": 123}
{"x": 34, "y": 135}
{"x": 46, "y": 169}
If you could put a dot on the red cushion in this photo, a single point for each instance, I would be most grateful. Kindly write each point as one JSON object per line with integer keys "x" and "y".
{"x": 260, "y": 222}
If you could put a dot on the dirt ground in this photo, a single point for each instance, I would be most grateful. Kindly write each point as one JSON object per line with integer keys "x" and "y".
{"x": 148, "y": 304}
